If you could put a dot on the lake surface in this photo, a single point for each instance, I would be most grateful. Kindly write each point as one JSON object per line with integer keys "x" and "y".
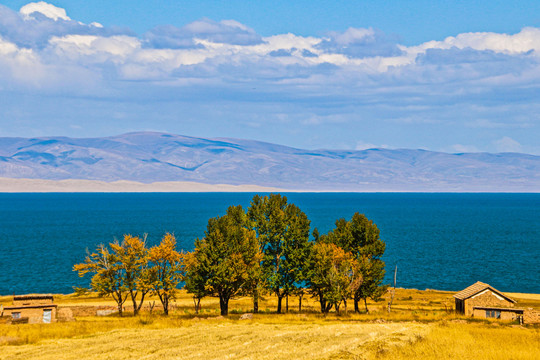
{"x": 438, "y": 241}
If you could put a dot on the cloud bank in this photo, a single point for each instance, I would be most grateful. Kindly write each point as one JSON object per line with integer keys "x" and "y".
{"x": 479, "y": 88}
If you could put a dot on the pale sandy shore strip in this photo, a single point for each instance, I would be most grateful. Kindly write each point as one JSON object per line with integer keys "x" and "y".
{"x": 9, "y": 185}
{"x": 12, "y": 185}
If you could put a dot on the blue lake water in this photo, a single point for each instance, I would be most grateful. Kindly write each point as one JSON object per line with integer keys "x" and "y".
{"x": 438, "y": 241}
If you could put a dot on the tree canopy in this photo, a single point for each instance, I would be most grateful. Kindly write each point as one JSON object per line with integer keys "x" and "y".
{"x": 165, "y": 271}
{"x": 361, "y": 237}
{"x": 282, "y": 231}
{"x": 226, "y": 257}
{"x": 264, "y": 249}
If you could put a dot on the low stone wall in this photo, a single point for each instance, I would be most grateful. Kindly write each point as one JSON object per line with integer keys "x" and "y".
{"x": 86, "y": 310}
{"x": 531, "y": 316}
{"x": 64, "y": 314}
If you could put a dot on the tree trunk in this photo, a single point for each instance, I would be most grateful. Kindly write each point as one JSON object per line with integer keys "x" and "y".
{"x": 327, "y": 308}
{"x": 256, "y": 301}
{"x": 300, "y": 302}
{"x": 287, "y": 304}
{"x": 365, "y": 303}
{"x": 224, "y": 305}
{"x": 137, "y": 307}
{"x": 141, "y": 302}
{"x": 197, "y": 303}
{"x": 356, "y": 307}
{"x": 345, "y": 305}
{"x": 165, "y": 302}
{"x": 134, "y": 301}
{"x": 322, "y": 302}
{"x": 280, "y": 297}
{"x": 119, "y": 301}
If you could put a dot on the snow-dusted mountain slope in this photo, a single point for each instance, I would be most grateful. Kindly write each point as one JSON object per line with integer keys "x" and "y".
{"x": 150, "y": 157}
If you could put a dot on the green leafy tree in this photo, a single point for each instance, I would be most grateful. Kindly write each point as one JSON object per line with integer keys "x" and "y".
{"x": 361, "y": 237}
{"x": 227, "y": 257}
{"x": 195, "y": 282}
{"x": 334, "y": 276}
{"x": 283, "y": 235}
{"x": 165, "y": 271}
{"x": 132, "y": 257}
{"x": 109, "y": 275}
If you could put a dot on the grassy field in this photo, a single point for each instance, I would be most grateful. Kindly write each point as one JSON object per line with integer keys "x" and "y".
{"x": 421, "y": 325}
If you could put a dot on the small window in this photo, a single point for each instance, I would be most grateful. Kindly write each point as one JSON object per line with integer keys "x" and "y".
{"x": 16, "y": 315}
{"x": 493, "y": 314}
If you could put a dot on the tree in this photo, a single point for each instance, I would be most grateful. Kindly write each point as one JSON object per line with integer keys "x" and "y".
{"x": 283, "y": 235}
{"x": 109, "y": 275}
{"x": 334, "y": 276}
{"x": 195, "y": 282}
{"x": 164, "y": 273}
{"x": 361, "y": 237}
{"x": 132, "y": 257}
{"x": 227, "y": 256}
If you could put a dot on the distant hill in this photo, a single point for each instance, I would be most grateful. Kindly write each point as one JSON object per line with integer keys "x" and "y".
{"x": 155, "y": 157}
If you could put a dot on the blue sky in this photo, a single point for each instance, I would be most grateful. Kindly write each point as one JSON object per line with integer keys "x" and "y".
{"x": 455, "y": 76}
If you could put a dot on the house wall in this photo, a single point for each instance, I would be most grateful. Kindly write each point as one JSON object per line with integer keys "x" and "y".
{"x": 486, "y": 299}
{"x": 531, "y": 316}
{"x": 505, "y": 315}
{"x": 34, "y": 315}
{"x": 460, "y": 306}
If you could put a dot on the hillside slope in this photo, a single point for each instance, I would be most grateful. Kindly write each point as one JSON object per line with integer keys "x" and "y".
{"x": 155, "y": 157}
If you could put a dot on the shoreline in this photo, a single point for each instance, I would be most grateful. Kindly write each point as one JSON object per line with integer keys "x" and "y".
{"x": 10, "y": 185}
{"x": 24, "y": 185}
{"x": 518, "y": 295}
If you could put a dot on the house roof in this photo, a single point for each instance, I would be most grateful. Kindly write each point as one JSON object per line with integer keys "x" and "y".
{"x": 33, "y": 297}
{"x": 476, "y": 288}
{"x": 516, "y": 310}
{"x": 30, "y": 306}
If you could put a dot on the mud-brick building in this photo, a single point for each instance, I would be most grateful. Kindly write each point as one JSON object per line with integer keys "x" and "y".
{"x": 31, "y": 309}
{"x": 484, "y": 301}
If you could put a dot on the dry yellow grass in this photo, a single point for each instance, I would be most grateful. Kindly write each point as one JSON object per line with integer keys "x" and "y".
{"x": 421, "y": 325}
{"x": 222, "y": 339}
{"x": 468, "y": 341}
{"x": 518, "y": 296}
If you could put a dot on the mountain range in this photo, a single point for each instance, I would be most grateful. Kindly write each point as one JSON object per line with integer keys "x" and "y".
{"x": 150, "y": 157}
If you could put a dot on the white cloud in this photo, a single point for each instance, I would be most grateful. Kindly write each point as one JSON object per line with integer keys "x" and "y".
{"x": 526, "y": 40}
{"x": 19, "y": 66}
{"x": 352, "y": 35}
{"x": 44, "y": 8}
{"x": 507, "y": 144}
{"x": 7, "y": 48}
{"x": 94, "y": 49}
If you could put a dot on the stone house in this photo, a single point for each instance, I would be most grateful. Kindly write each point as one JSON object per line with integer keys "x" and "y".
{"x": 531, "y": 316}
{"x": 484, "y": 301}
{"x": 31, "y": 309}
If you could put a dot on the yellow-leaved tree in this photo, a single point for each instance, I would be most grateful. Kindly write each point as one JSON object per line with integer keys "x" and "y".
{"x": 132, "y": 255}
{"x": 108, "y": 273}
{"x": 165, "y": 270}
